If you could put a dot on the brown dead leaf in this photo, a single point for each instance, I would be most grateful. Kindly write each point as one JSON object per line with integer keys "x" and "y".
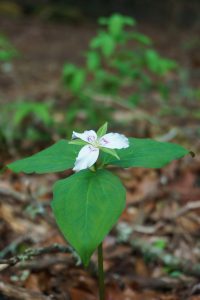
{"x": 113, "y": 292}
{"x": 129, "y": 294}
{"x": 188, "y": 224}
{"x": 185, "y": 186}
{"x": 77, "y": 294}
{"x": 141, "y": 268}
{"x": 33, "y": 283}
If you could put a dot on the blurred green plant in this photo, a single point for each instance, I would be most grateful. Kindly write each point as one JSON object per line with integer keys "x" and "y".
{"x": 120, "y": 63}
{"x": 7, "y": 53}
{"x": 172, "y": 273}
{"x": 7, "y": 50}
{"x": 25, "y": 120}
{"x": 160, "y": 244}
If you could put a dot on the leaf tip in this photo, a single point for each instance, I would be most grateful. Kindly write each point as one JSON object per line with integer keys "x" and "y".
{"x": 192, "y": 154}
{"x": 10, "y": 167}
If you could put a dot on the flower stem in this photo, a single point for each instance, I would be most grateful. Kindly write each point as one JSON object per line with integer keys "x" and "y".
{"x": 101, "y": 273}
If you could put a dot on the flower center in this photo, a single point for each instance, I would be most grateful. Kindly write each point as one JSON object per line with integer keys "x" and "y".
{"x": 93, "y": 141}
{"x": 95, "y": 144}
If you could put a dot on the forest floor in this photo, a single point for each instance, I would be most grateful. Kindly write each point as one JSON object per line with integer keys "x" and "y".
{"x": 153, "y": 253}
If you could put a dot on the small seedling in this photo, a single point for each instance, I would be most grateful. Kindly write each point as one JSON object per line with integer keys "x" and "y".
{"x": 87, "y": 204}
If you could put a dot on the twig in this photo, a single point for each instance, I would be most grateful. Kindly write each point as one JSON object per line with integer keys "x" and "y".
{"x": 19, "y": 293}
{"x": 14, "y": 244}
{"x": 186, "y": 209}
{"x": 159, "y": 284}
{"x": 168, "y": 136}
{"x": 33, "y": 252}
{"x": 148, "y": 229}
{"x": 161, "y": 192}
{"x": 125, "y": 230}
{"x": 44, "y": 264}
{"x": 14, "y": 194}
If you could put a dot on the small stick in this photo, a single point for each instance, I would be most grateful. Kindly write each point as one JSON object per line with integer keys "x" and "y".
{"x": 33, "y": 252}
{"x": 186, "y": 209}
{"x": 19, "y": 293}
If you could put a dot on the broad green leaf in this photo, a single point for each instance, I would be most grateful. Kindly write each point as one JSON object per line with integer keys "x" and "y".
{"x": 86, "y": 206}
{"x": 102, "y": 130}
{"x": 58, "y": 157}
{"x": 146, "y": 153}
{"x": 110, "y": 151}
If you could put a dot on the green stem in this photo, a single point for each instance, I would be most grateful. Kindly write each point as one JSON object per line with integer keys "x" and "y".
{"x": 101, "y": 273}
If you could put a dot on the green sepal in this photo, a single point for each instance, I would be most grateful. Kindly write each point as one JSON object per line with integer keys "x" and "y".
{"x": 102, "y": 130}
{"x": 110, "y": 151}
{"x": 78, "y": 142}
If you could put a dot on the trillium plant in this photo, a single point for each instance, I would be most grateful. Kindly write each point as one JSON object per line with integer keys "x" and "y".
{"x": 87, "y": 204}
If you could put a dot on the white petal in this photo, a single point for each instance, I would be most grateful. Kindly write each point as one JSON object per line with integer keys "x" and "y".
{"x": 114, "y": 141}
{"x": 87, "y": 156}
{"x": 88, "y": 136}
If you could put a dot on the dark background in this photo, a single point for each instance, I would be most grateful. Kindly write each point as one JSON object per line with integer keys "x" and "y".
{"x": 183, "y": 13}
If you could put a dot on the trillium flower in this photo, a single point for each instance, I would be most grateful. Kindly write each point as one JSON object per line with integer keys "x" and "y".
{"x": 94, "y": 142}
